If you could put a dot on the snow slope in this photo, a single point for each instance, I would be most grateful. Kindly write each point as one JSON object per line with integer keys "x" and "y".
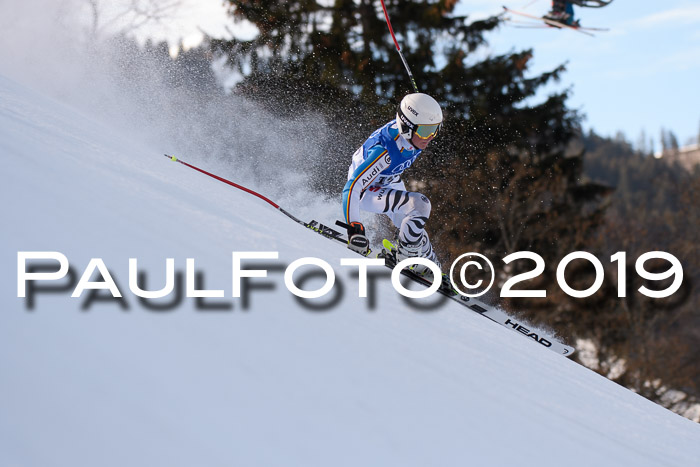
{"x": 276, "y": 383}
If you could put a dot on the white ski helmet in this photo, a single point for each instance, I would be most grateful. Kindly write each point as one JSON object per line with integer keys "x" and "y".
{"x": 419, "y": 114}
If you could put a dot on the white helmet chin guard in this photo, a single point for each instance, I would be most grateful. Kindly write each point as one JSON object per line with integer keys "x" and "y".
{"x": 420, "y": 115}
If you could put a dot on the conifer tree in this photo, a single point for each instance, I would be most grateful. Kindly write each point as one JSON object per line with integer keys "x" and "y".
{"x": 306, "y": 46}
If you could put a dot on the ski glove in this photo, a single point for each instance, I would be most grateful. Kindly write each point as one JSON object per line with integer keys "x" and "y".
{"x": 357, "y": 240}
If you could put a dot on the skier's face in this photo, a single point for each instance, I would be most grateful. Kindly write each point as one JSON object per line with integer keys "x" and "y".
{"x": 421, "y": 143}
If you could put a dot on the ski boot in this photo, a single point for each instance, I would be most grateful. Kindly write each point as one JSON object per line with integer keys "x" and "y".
{"x": 558, "y": 16}
{"x": 393, "y": 255}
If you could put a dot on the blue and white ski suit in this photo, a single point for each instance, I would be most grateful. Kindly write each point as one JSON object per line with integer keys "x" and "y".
{"x": 374, "y": 185}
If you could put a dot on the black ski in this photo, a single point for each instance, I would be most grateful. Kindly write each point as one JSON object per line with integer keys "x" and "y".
{"x": 494, "y": 314}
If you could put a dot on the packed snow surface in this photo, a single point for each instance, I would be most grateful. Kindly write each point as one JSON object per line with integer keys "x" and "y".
{"x": 88, "y": 382}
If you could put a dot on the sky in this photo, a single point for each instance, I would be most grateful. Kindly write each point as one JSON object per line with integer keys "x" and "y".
{"x": 641, "y": 75}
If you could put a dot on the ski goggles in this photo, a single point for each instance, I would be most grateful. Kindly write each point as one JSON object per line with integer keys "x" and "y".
{"x": 427, "y": 131}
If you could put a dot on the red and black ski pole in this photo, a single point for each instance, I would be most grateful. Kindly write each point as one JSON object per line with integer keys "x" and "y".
{"x": 228, "y": 182}
{"x": 405, "y": 64}
{"x": 320, "y": 228}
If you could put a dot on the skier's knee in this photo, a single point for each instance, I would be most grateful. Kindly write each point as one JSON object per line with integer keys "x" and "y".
{"x": 422, "y": 205}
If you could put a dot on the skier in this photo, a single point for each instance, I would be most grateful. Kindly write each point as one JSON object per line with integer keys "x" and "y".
{"x": 374, "y": 182}
{"x": 562, "y": 12}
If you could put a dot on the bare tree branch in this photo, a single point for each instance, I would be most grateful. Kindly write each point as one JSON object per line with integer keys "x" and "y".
{"x": 130, "y": 17}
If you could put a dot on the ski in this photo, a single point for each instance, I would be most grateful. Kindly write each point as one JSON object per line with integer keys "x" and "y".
{"x": 494, "y": 314}
{"x": 556, "y": 24}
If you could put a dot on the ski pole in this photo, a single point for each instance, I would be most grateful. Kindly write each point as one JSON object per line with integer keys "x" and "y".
{"x": 320, "y": 229}
{"x": 228, "y": 182}
{"x": 405, "y": 64}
